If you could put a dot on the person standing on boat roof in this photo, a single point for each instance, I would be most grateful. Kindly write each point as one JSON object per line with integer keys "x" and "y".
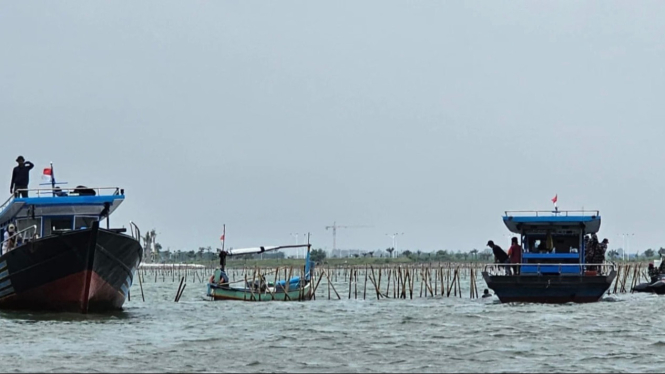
{"x": 21, "y": 177}
{"x": 515, "y": 254}
{"x": 500, "y": 256}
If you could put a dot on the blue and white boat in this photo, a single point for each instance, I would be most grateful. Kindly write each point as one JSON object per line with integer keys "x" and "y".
{"x": 57, "y": 257}
{"x": 553, "y": 267}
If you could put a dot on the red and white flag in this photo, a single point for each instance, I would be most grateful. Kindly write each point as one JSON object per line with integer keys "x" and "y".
{"x": 47, "y": 175}
{"x": 222, "y": 237}
{"x": 554, "y": 199}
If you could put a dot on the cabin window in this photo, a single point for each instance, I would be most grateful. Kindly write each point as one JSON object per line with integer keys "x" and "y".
{"x": 568, "y": 243}
{"x": 84, "y": 222}
{"x": 22, "y": 224}
{"x": 57, "y": 223}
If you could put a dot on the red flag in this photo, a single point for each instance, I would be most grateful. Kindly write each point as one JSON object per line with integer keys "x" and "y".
{"x": 222, "y": 237}
{"x": 555, "y": 198}
{"x": 47, "y": 175}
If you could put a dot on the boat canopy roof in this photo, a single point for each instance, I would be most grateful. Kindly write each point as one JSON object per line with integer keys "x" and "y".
{"x": 90, "y": 201}
{"x": 254, "y": 250}
{"x": 570, "y": 220}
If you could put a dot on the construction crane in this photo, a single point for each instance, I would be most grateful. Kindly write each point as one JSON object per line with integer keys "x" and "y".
{"x": 334, "y": 228}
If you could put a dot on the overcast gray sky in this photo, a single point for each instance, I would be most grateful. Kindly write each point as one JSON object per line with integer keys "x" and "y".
{"x": 428, "y": 118}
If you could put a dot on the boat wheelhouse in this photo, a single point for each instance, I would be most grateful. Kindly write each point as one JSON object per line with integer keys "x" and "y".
{"x": 553, "y": 267}
{"x": 57, "y": 256}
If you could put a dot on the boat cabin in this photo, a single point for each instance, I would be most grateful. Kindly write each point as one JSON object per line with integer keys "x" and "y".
{"x": 552, "y": 241}
{"x": 54, "y": 210}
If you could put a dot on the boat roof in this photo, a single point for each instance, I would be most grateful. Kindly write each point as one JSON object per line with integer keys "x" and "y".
{"x": 524, "y": 221}
{"x": 255, "y": 250}
{"x": 77, "y": 201}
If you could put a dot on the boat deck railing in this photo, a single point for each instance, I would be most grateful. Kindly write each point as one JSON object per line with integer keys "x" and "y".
{"x": 548, "y": 213}
{"x": 64, "y": 192}
{"x": 27, "y": 233}
{"x": 497, "y": 269}
{"x": 135, "y": 231}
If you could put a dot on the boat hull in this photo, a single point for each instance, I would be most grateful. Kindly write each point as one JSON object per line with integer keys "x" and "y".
{"x": 553, "y": 289}
{"x": 245, "y": 294}
{"x": 657, "y": 287}
{"x": 88, "y": 270}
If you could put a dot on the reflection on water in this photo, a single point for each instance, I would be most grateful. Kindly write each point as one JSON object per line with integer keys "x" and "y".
{"x": 620, "y": 334}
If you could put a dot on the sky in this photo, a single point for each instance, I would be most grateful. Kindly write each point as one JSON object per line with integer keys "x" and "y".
{"x": 426, "y": 118}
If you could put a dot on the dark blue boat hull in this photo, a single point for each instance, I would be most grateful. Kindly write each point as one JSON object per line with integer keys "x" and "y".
{"x": 555, "y": 289}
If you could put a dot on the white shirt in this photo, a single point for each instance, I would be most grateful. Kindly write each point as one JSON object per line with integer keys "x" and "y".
{"x": 5, "y": 242}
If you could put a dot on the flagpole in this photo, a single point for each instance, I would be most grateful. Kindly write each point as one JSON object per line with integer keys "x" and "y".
{"x": 52, "y": 179}
{"x": 223, "y": 236}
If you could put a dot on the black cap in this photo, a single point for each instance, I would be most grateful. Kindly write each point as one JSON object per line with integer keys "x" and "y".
{"x": 19, "y": 159}
{"x": 490, "y": 243}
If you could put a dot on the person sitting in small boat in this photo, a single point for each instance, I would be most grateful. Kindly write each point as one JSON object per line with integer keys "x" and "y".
{"x": 487, "y": 293}
{"x": 500, "y": 256}
{"x": 223, "y": 278}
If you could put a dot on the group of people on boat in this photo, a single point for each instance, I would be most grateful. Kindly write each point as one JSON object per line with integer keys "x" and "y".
{"x": 655, "y": 272}
{"x": 595, "y": 252}
{"x": 514, "y": 255}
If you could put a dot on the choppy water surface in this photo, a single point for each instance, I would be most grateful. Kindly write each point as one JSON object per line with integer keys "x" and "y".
{"x": 623, "y": 333}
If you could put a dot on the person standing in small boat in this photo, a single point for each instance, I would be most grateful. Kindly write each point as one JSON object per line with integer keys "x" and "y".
{"x": 222, "y": 259}
{"x": 500, "y": 256}
{"x": 223, "y": 279}
{"x": 21, "y": 177}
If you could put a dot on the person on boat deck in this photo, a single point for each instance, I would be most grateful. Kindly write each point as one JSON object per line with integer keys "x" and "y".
{"x": 57, "y": 191}
{"x": 21, "y": 177}
{"x": 515, "y": 254}
{"x": 653, "y": 273}
{"x": 7, "y": 243}
{"x": 500, "y": 256}
{"x": 591, "y": 249}
{"x": 599, "y": 253}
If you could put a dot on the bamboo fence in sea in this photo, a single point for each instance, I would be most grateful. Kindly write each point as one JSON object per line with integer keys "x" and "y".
{"x": 385, "y": 281}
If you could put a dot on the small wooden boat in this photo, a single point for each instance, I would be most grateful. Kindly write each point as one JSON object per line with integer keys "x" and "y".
{"x": 258, "y": 288}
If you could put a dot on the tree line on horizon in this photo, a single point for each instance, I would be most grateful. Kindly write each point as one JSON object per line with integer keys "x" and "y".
{"x": 319, "y": 255}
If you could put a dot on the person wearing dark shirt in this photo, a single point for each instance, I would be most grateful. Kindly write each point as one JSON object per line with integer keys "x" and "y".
{"x": 222, "y": 259}
{"x": 500, "y": 256}
{"x": 21, "y": 177}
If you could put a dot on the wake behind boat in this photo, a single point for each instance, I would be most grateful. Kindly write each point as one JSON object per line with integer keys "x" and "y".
{"x": 57, "y": 257}
{"x": 258, "y": 287}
